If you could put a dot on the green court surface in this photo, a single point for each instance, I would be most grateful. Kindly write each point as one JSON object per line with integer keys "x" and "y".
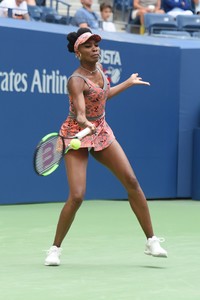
{"x": 102, "y": 255}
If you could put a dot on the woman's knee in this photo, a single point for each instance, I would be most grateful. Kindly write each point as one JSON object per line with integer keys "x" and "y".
{"x": 132, "y": 183}
{"x": 76, "y": 199}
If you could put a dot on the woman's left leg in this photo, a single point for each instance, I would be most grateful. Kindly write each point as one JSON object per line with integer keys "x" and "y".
{"x": 115, "y": 159}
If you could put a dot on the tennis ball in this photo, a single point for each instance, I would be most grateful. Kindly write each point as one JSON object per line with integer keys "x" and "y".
{"x": 75, "y": 144}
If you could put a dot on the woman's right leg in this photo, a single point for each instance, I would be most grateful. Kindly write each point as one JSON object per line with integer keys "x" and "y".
{"x": 76, "y": 166}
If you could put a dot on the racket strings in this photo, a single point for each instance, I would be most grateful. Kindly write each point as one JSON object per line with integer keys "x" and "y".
{"x": 49, "y": 154}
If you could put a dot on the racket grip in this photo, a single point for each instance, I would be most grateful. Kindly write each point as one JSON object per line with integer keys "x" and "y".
{"x": 83, "y": 133}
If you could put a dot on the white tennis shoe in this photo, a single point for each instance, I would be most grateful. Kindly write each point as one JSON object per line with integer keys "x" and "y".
{"x": 153, "y": 247}
{"x": 53, "y": 256}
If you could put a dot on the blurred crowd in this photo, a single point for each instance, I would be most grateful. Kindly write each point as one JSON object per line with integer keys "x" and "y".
{"x": 103, "y": 18}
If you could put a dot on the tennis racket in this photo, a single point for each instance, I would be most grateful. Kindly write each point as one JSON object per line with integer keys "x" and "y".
{"x": 50, "y": 151}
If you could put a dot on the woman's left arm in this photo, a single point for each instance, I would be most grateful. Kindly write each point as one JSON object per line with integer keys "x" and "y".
{"x": 134, "y": 79}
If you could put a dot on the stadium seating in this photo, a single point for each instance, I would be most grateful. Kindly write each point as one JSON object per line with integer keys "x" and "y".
{"x": 35, "y": 12}
{"x": 49, "y": 14}
{"x": 154, "y": 23}
{"x": 196, "y": 34}
{"x": 40, "y": 2}
{"x": 188, "y": 23}
{"x": 132, "y": 25}
{"x": 67, "y": 6}
{"x": 122, "y": 8}
{"x": 175, "y": 33}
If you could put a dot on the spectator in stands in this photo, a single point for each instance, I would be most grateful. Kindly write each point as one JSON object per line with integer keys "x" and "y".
{"x": 41, "y": 2}
{"x": 197, "y": 7}
{"x": 85, "y": 16}
{"x": 141, "y": 7}
{"x": 36, "y": 2}
{"x": 179, "y": 7}
{"x": 16, "y": 9}
{"x": 106, "y": 17}
{"x": 31, "y": 2}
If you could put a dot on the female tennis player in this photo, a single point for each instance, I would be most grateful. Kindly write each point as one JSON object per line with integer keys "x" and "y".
{"x": 89, "y": 90}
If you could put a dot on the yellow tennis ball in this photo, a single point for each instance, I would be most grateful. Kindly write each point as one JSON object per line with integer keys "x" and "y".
{"x": 75, "y": 144}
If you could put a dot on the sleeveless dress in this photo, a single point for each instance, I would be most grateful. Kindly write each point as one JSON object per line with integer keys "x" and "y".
{"x": 95, "y": 101}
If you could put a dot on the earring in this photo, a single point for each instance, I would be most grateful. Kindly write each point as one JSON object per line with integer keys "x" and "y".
{"x": 78, "y": 56}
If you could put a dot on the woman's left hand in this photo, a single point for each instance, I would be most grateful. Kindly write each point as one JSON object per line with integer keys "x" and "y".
{"x": 135, "y": 79}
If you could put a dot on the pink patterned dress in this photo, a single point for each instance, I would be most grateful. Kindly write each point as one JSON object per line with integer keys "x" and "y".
{"x": 95, "y": 101}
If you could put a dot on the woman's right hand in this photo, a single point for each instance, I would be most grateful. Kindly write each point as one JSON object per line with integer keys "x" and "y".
{"x": 91, "y": 126}
{"x": 88, "y": 124}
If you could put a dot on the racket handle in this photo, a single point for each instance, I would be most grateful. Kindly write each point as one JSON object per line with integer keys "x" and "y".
{"x": 83, "y": 133}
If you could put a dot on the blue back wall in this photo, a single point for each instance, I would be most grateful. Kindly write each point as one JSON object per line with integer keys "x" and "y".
{"x": 153, "y": 124}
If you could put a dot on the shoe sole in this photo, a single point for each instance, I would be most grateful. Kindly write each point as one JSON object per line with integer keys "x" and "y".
{"x": 156, "y": 254}
{"x": 52, "y": 264}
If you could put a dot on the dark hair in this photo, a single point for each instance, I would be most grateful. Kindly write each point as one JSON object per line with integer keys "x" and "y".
{"x": 105, "y": 5}
{"x": 72, "y": 37}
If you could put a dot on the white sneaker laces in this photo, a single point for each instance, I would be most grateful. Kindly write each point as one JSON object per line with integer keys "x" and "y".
{"x": 53, "y": 250}
{"x": 161, "y": 240}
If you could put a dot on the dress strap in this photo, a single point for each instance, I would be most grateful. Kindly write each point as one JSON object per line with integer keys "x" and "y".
{"x": 81, "y": 76}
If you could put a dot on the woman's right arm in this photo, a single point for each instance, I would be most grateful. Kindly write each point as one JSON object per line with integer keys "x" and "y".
{"x": 76, "y": 87}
